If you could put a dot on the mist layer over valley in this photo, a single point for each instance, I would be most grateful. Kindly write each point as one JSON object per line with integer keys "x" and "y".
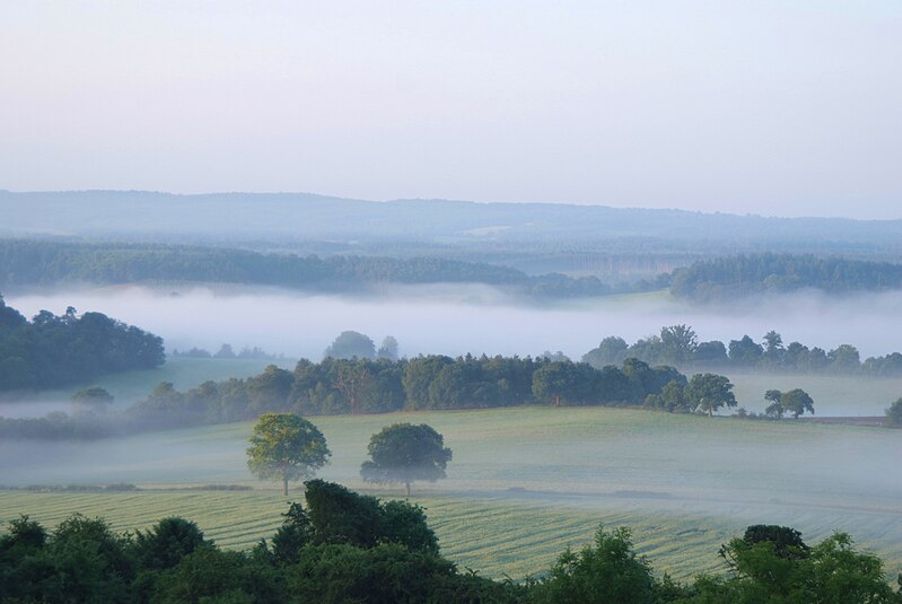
{"x": 457, "y": 320}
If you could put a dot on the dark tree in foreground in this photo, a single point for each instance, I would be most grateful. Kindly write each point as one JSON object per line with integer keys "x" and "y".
{"x": 286, "y": 447}
{"x": 786, "y": 542}
{"x": 607, "y": 571}
{"x": 406, "y": 453}
{"x": 166, "y": 543}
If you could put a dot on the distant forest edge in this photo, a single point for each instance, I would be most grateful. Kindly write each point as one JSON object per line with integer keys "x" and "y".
{"x": 26, "y": 262}
{"x": 51, "y": 351}
{"x": 39, "y": 262}
{"x": 740, "y": 276}
{"x": 679, "y": 345}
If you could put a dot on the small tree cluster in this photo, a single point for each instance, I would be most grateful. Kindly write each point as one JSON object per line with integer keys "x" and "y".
{"x": 795, "y": 402}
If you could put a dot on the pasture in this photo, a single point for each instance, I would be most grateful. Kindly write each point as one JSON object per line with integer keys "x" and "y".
{"x": 524, "y": 483}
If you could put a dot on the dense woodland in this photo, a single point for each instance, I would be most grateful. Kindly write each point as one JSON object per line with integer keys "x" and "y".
{"x": 724, "y": 279}
{"x": 350, "y": 386}
{"x": 346, "y": 547}
{"x": 51, "y": 351}
{"x": 679, "y": 345}
{"x": 37, "y": 262}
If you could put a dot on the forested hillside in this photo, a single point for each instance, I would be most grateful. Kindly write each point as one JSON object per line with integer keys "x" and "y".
{"x": 726, "y": 278}
{"x": 148, "y": 215}
{"x": 52, "y": 351}
{"x": 36, "y": 262}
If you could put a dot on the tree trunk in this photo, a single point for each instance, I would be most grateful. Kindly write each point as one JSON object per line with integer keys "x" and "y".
{"x": 407, "y": 484}
{"x": 285, "y": 486}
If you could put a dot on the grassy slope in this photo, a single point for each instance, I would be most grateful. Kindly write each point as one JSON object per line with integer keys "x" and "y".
{"x": 524, "y": 484}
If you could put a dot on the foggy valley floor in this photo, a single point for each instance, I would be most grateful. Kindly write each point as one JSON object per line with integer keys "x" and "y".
{"x": 458, "y": 319}
{"x": 520, "y": 477}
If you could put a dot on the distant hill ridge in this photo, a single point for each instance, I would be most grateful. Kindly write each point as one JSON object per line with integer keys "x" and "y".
{"x": 306, "y": 215}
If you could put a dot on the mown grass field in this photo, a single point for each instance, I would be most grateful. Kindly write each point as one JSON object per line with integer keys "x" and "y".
{"x": 524, "y": 483}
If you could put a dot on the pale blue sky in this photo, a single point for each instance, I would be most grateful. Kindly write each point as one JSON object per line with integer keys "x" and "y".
{"x": 773, "y": 107}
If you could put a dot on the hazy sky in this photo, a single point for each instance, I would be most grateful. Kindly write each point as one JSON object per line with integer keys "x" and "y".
{"x": 776, "y": 107}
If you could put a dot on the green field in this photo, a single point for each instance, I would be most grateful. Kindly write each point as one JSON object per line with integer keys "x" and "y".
{"x": 525, "y": 482}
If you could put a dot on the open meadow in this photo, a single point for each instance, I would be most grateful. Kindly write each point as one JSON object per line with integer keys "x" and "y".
{"x": 525, "y": 482}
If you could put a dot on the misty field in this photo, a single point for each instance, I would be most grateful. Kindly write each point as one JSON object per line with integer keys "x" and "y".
{"x": 131, "y": 386}
{"x": 834, "y": 395}
{"x": 524, "y": 483}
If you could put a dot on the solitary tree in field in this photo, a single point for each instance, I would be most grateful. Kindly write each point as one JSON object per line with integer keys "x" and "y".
{"x": 286, "y": 447}
{"x": 406, "y": 453}
{"x": 894, "y": 414}
{"x": 708, "y": 392}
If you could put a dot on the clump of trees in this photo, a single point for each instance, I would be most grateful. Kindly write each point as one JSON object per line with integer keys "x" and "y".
{"x": 286, "y": 447}
{"x": 345, "y": 547}
{"x": 52, "y": 351}
{"x": 404, "y": 453}
{"x": 704, "y": 393}
{"x": 796, "y": 402}
{"x": 680, "y": 346}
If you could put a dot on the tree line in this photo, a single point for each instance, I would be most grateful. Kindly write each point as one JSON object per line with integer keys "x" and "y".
{"x": 57, "y": 350}
{"x": 39, "y": 262}
{"x": 341, "y": 546}
{"x": 679, "y": 345}
{"x": 381, "y": 385}
{"x": 720, "y": 279}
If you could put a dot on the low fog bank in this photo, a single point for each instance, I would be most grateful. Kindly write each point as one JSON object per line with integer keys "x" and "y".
{"x": 476, "y": 319}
